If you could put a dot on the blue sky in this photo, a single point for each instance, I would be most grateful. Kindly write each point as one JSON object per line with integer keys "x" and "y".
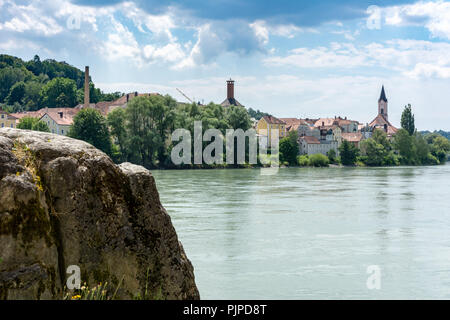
{"x": 289, "y": 58}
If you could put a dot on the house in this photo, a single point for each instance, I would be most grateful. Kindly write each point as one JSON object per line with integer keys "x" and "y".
{"x": 381, "y": 120}
{"x": 311, "y": 145}
{"x": 267, "y": 126}
{"x": 345, "y": 124}
{"x": 58, "y": 121}
{"x": 292, "y": 124}
{"x": 7, "y": 120}
{"x": 354, "y": 138}
{"x": 230, "y": 100}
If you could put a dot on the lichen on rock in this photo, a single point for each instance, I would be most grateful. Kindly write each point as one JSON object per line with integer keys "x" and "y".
{"x": 63, "y": 202}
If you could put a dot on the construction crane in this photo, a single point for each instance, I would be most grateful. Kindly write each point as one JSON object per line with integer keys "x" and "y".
{"x": 190, "y": 100}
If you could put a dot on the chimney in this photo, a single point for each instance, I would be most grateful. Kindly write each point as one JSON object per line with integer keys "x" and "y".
{"x": 60, "y": 114}
{"x": 136, "y": 94}
{"x": 86, "y": 87}
{"x": 230, "y": 89}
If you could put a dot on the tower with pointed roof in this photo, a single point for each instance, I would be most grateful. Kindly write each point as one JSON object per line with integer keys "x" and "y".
{"x": 381, "y": 120}
{"x": 383, "y": 104}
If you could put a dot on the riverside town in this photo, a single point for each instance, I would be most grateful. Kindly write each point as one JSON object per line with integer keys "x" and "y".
{"x": 224, "y": 159}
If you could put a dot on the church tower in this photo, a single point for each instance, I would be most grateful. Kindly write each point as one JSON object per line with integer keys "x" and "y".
{"x": 382, "y": 104}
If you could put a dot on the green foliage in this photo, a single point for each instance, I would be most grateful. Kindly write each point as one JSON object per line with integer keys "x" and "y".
{"x": 318, "y": 160}
{"x": 29, "y": 123}
{"x": 289, "y": 148}
{"x": 348, "y": 153}
{"x": 21, "y": 84}
{"x": 303, "y": 160}
{"x": 439, "y": 146}
{"x": 238, "y": 118}
{"x": 404, "y": 144}
{"x": 59, "y": 92}
{"x": 407, "y": 120}
{"x": 116, "y": 122}
{"x": 90, "y": 126}
{"x": 374, "y": 152}
{"x": 143, "y": 129}
{"x": 17, "y": 93}
{"x": 256, "y": 114}
{"x": 331, "y": 154}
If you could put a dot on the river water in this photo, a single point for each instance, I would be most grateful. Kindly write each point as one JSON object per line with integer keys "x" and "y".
{"x": 312, "y": 233}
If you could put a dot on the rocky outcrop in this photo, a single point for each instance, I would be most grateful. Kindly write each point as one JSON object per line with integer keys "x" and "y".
{"x": 63, "y": 202}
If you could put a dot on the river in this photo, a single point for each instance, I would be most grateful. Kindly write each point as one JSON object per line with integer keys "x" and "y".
{"x": 312, "y": 233}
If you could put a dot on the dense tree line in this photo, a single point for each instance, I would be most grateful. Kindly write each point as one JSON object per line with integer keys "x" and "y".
{"x": 141, "y": 133}
{"x": 36, "y": 84}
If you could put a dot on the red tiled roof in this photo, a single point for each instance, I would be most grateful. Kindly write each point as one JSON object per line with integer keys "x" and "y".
{"x": 352, "y": 136}
{"x": 380, "y": 121}
{"x": 123, "y": 99}
{"x": 273, "y": 120}
{"x": 310, "y": 140}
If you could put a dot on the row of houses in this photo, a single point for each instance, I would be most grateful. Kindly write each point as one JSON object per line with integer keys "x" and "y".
{"x": 59, "y": 120}
{"x": 318, "y": 135}
{"x": 324, "y": 134}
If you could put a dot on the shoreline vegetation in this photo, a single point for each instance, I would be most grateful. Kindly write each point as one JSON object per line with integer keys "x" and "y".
{"x": 141, "y": 132}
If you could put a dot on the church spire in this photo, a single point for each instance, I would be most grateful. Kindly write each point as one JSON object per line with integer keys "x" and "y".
{"x": 382, "y": 95}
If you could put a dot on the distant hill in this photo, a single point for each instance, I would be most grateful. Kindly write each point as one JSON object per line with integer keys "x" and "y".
{"x": 24, "y": 85}
{"x": 445, "y": 134}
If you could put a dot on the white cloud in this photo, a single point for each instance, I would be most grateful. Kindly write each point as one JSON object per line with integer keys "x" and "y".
{"x": 171, "y": 52}
{"x": 410, "y": 57}
{"x": 433, "y": 15}
{"x": 31, "y": 17}
{"x": 160, "y": 25}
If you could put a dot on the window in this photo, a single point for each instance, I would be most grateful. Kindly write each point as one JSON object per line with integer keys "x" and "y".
{"x": 12, "y": 126}
{"x": 3, "y": 116}
{"x": 62, "y": 131}
{"x": 3, "y": 125}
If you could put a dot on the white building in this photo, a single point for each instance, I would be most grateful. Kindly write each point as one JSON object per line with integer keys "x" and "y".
{"x": 58, "y": 122}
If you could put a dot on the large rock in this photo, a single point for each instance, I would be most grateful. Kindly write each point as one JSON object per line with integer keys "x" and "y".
{"x": 63, "y": 202}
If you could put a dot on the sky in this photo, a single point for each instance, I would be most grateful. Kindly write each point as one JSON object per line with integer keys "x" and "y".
{"x": 288, "y": 58}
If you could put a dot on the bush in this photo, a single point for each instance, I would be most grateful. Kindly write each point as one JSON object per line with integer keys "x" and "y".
{"x": 391, "y": 159}
{"x": 318, "y": 160}
{"x": 432, "y": 159}
{"x": 359, "y": 163}
{"x": 332, "y": 155}
{"x": 303, "y": 160}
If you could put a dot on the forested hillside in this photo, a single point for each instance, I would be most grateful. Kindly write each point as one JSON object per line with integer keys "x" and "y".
{"x": 35, "y": 84}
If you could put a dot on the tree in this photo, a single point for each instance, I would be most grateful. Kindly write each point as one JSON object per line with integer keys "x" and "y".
{"x": 348, "y": 153}
{"x": 380, "y": 137}
{"x": 29, "y": 123}
{"x": 238, "y": 118}
{"x": 59, "y": 92}
{"x": 149, "y": 122}
{"x": 90, "y": 126}
{"x": 331, "y": 154}
{"x": 374, "y": 151}
{"x": 440, "y": 147}
{"x": 289, "y": 148}
{"x": 116, "y": 122}
{"x": 404, "y": 144}
{"x": 16, "y": 94}
{"x": 407, "y": 120}
{"x": 422, "y": 149}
